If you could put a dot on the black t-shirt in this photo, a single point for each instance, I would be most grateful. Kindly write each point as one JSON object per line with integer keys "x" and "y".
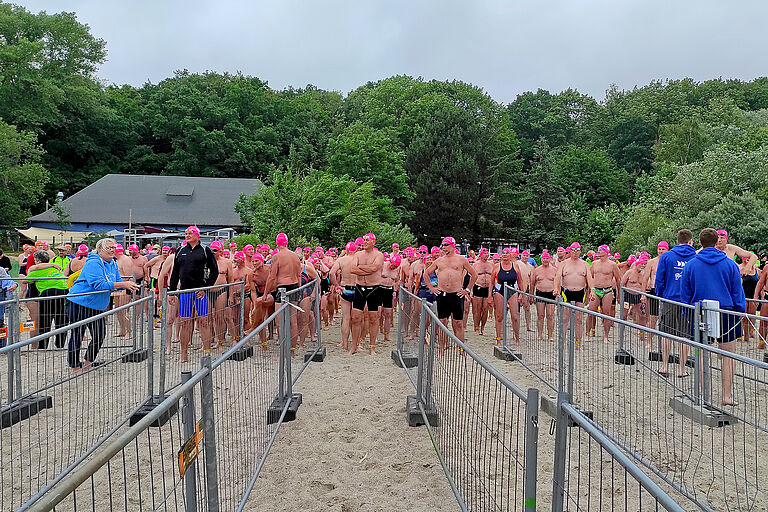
{"x": 189, "y": 267}
{"x": 5, "y": 262}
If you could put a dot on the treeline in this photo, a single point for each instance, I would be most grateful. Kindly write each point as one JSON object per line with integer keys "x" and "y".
{"x": 408, "y": 158}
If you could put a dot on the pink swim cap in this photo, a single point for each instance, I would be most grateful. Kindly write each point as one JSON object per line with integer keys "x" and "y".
{"x": 133, "y": 247}
{"x": 82, "y": 250}
{"x": 642, "y": 261}
{"x": 240, "y": 255}
{"x": 561, "y": 248}
{"x": 604, "y": 248}
{"x": 249, "y": 246}
{"x": 232, "y": 244}
{"x": 217, "y": 245}
{"x": 351, "y": 246}
{"x": 631, "y": 259}
{"x": 663, "y": 244}
{"x": 483, "y": 250}
{"x": 423, "y": 248}
{"x": 395, "y": 260}
{"x": 448, "y": 241}
{"x": 183, "y": 243}
{"x": 369, "y": 236}
{"x": 118, "y": 248}
{"x": 281, "y": 240}
{"x": 722, "y": 232}
{"x": 193, "y": 229}
{"x": 395, "y": 245}
{"x": 545, "y": 256}
{"x": 166, "y": 248}
{"x": 258, "y": 256}
{"x": 576, "y": 245}
{"x": 226, "y": 253}
{"x": 526, "y": 253}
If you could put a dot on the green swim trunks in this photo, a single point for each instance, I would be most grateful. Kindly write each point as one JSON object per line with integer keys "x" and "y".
{"x": 602, "y": 292}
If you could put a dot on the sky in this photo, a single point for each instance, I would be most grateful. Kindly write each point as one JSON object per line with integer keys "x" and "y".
{"x": 505, "y": 47}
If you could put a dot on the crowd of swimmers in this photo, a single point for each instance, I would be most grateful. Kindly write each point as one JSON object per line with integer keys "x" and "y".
{"x": 363, "y": 285}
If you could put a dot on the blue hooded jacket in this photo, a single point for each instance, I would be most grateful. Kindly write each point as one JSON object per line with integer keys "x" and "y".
{"x": 711, "y": 275}
{"x": 96, "y": 275}
{"x": 670, "y": 270}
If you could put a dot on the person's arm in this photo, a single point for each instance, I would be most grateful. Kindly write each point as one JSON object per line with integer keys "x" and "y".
{"x": 686, "y": 293}
{"x": 271, "y": 278}
{"x": 174, "y": 280}
{"x": 737, "y": 290}
{"x": 472, "y": 277}
{"x": 558, "y": 278}
{"x": 43, "y": 266}
{"x": 590, "y": 281}
{"x": 210, "y": 260}
{"x": 617, "y": 279}
{"x": 760, "y": 285}
{"x": 661, "y": 272}
{"x": 431, "y": 268}
{"x": 741, "y": 253}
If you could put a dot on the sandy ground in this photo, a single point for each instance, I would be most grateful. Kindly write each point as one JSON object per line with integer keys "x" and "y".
{"x": 350, "y": 448}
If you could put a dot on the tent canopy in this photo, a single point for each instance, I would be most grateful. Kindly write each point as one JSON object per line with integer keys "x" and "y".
{"x": 54, "y": 236}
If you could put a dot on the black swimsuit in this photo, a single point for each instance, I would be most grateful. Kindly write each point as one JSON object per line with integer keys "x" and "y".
{"x": 505, "y": 277}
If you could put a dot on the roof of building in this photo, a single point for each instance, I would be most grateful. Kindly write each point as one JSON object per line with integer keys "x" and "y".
{"x": 160, "y": 200}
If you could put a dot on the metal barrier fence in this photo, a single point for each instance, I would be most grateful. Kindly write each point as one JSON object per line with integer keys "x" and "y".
{"x": 244, "y": 396}
{"x": 55, "y": 413}
{"x": 662, "y": 396}
{"x": 483, "y": 427}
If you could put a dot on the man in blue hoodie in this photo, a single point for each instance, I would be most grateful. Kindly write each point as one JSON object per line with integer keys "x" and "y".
{"x": 672, "y": 318}
{"x": 712, "y": 275}
{"x": 98, "y": 278}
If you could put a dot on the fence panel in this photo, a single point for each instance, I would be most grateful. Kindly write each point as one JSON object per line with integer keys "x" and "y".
{"x": 484, "y": 427}
{"x": 57, "y": 414}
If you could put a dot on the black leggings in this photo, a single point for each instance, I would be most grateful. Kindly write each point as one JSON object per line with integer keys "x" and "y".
{"x": 53, "y": 310}
{"x": 97, "y": 328}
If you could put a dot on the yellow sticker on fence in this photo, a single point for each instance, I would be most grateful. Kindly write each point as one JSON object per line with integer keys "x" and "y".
{"x": 3, "y": 333}
{"x": 27, "y": 326}
{"x": 190, "y": 450}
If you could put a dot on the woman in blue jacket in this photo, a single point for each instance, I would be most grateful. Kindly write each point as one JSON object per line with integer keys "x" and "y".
{"x": 98, "y": 278}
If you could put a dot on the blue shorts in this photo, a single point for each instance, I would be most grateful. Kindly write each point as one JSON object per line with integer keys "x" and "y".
{"x": 185, "y": 305}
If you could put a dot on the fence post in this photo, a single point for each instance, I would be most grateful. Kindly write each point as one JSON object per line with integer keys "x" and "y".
{"x": 560, "y": 345}
{"x": 15, "y": 337}
{"x": 151, "y": 352}
{"x": 401, "y": 298}
{"x": 134, "y": 320}
{"x": 318, "y": 321}
{"x": 433, "y": 333}
{"x": 504, "y": 323}
{"x": 531, "y": 448}
{"x": 142, "y": 291}
{"x": 561, "y": 440}
{"x": 188, "y": 419}
{"x": 697, "y": 366}
{"x": 706, "y": 374}
{"x": 209, "y": 437}
{"x": 242, "y": 310}
{"x": 164, "y": 341}
{"x": 13, "y": 320}
{"x": 420, "y": 341}
{"x": 571, "y": 352}
{"x": 623, "y": 317}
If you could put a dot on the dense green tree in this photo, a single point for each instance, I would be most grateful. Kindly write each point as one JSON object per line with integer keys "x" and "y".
{"x": 22, "y": 176}
{"x": 631, "y": 144}
{"x": 544, "y": 216}
{"x": 592, "y": 174}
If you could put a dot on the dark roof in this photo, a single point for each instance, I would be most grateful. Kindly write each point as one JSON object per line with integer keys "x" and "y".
{"x": 156, "y": 200}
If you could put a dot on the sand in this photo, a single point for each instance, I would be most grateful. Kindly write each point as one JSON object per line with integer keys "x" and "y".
{"x": 350, "y": 448}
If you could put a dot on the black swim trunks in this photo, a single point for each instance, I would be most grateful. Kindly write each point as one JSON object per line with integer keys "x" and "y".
{"x": 450, "y": 305}
{"x": 288, "y": 288}
{"x": 348, "y": 293}
{"x": 653, "y": 303}
{"x": 545, "y": 295}
{"x": 386, "y": 296}
{"x": 572, "y": 296}
{"x": 480, "y": 291}
{"x": 367, "y": 296}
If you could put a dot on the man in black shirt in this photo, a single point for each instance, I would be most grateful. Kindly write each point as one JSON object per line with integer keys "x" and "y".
{"x": 194, "y": 267}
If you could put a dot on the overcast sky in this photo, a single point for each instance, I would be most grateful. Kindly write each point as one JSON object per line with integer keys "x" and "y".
{"x": 505, "y": 47}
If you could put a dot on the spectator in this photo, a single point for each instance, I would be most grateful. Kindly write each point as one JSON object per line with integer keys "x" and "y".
{"x": 52, "y": 296}
{"x": 61, "y": 260}
{"x": 711, "y": 275}
{"x": 671, "y": 319}
{"x": 6, "y": 288}
{"x": 5, "y": 262}
{"x": 99, "y": 274}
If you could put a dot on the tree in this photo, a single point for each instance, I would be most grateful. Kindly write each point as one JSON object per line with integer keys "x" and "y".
{"x": 63, "y": 216}
{"x": 631, "y": 147}
{"x": 367, "y": 154}
{"x": 22, "y": 176}
{"x": 318, "y": 206}
{"x": 593, "y": 174}
{"x": 545, "y": 215}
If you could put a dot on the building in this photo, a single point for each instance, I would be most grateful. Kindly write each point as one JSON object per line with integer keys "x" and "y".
{"x": 151, "y": 207}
